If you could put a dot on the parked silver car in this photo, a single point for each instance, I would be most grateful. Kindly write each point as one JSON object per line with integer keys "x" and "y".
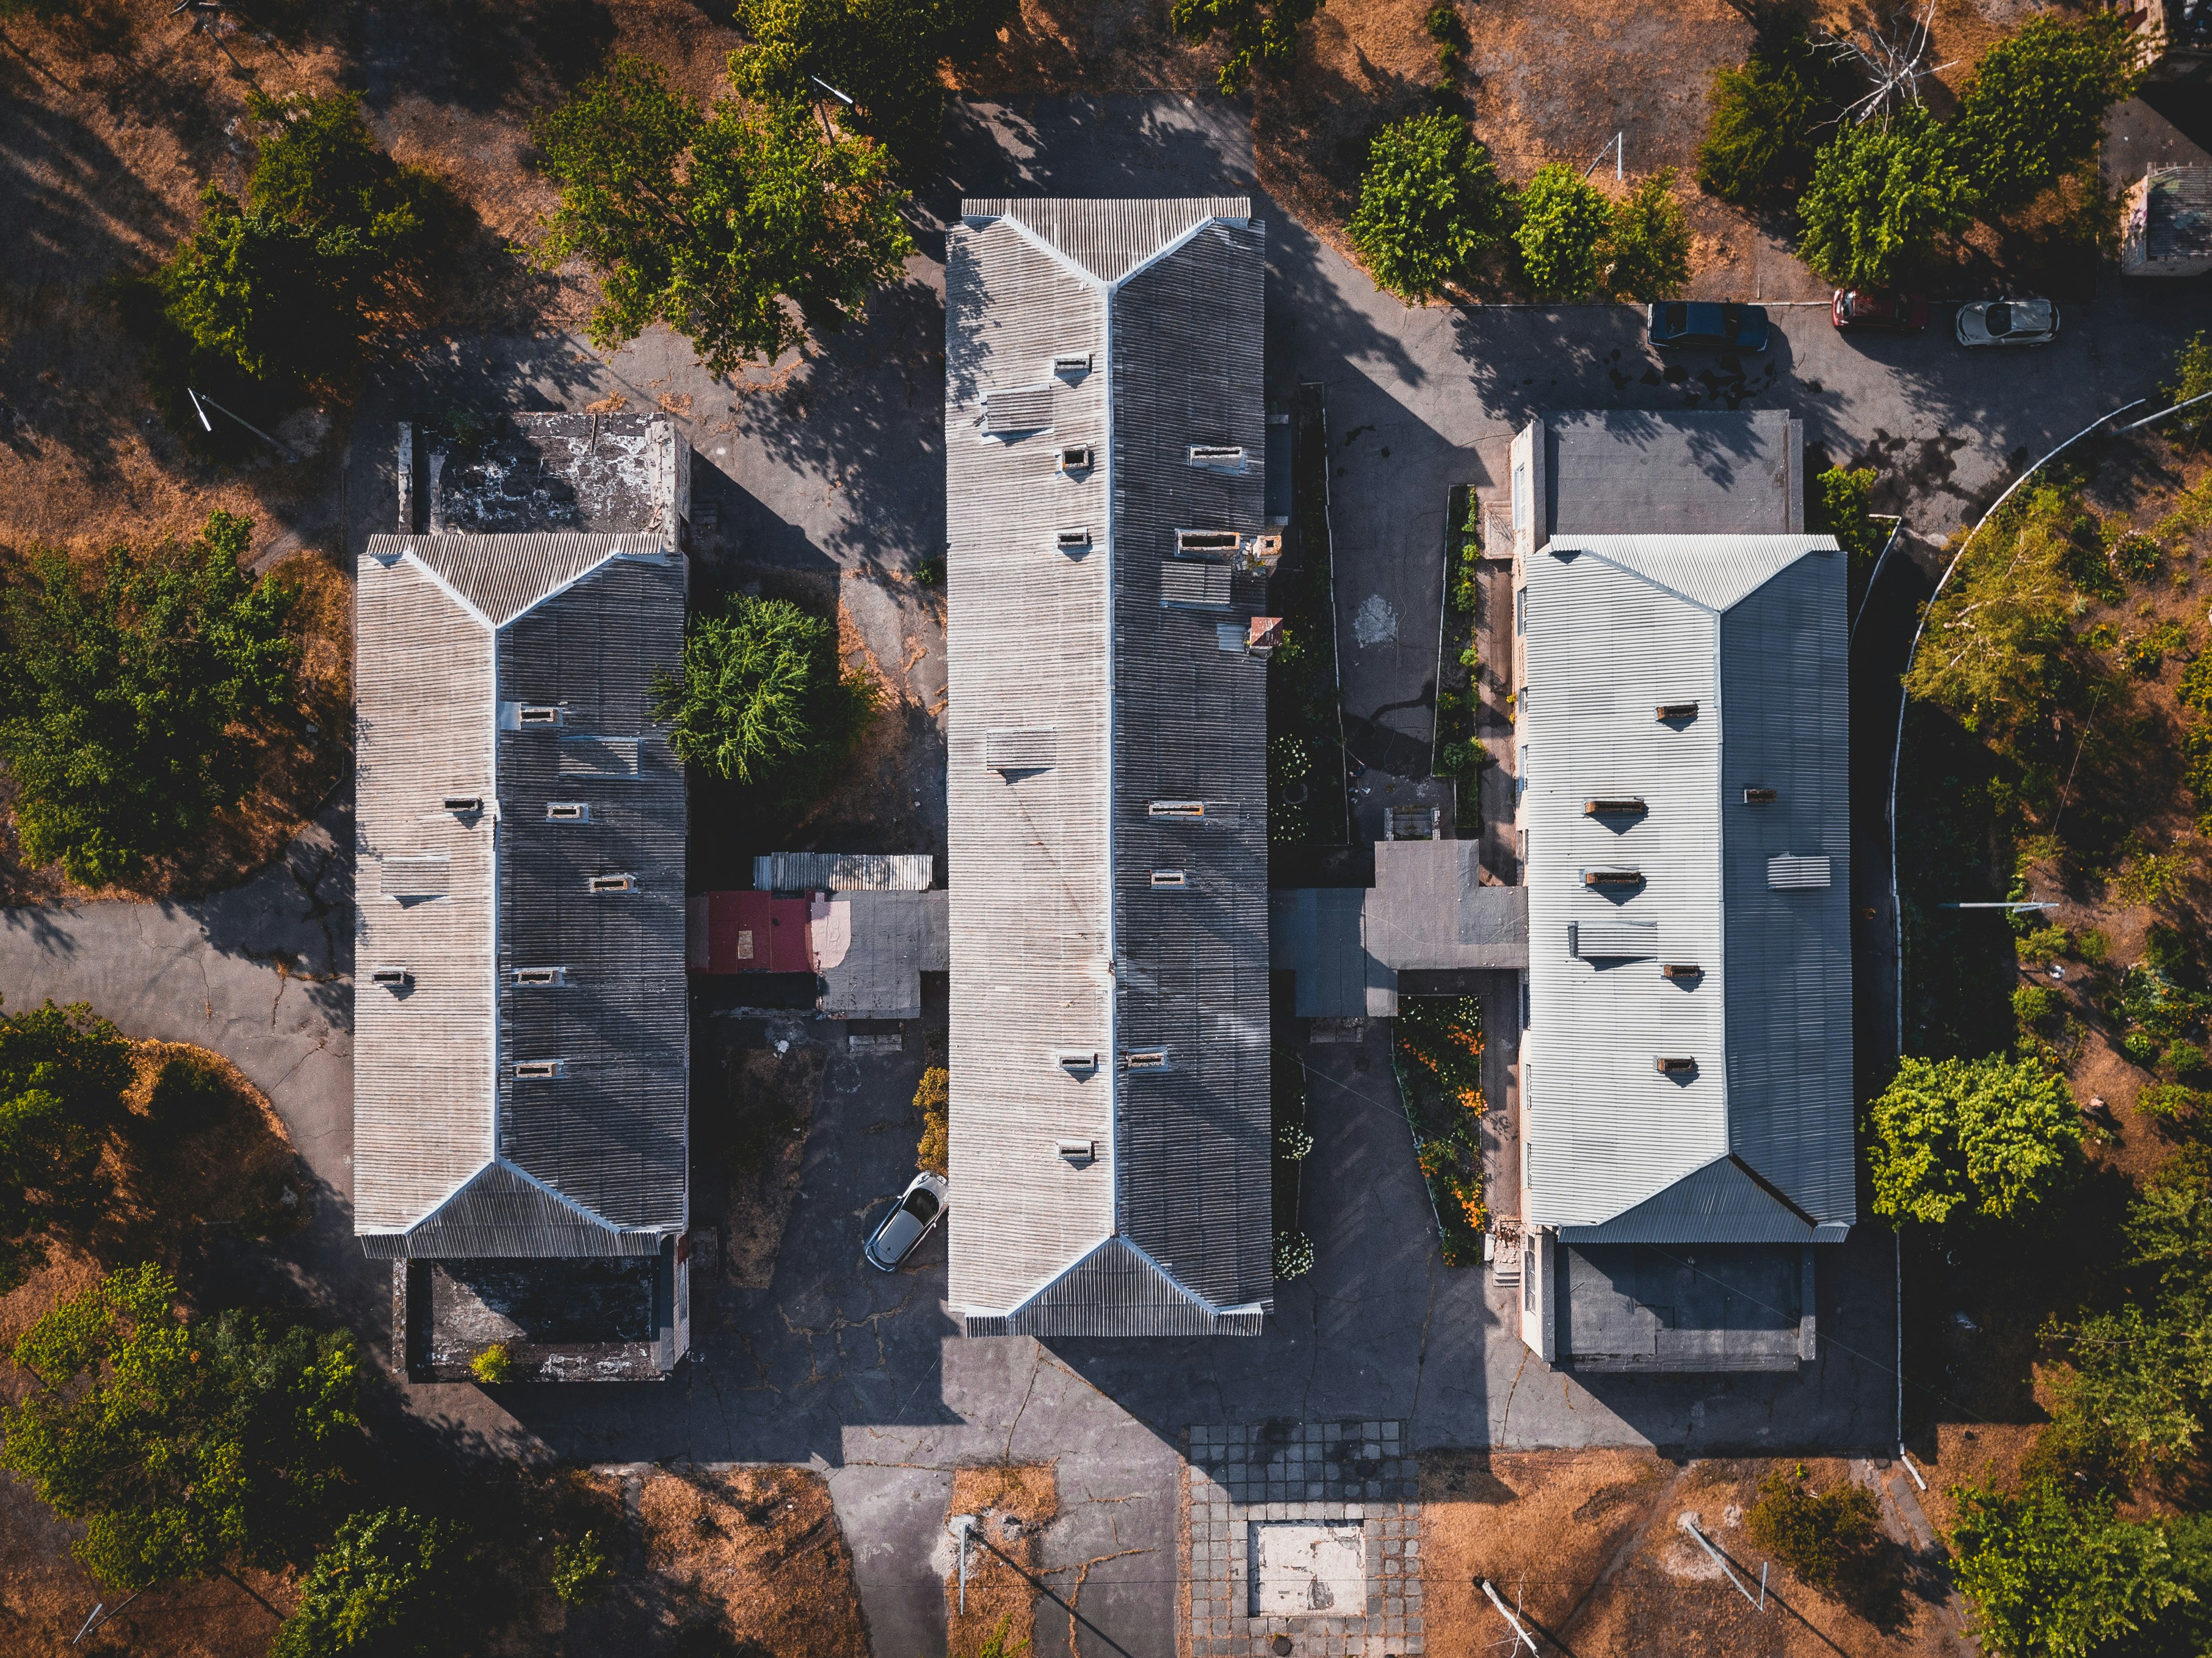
{"x": 2009, "y": 322}
{"x": 913, "y": 1218}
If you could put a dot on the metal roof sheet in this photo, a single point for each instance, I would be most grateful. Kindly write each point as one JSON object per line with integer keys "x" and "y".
{"x": 1716, "y": 572}
{"x": 1106, "y": 240}
{"x": 844, "y": 872}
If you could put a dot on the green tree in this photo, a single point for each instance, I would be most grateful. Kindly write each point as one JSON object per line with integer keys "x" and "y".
{"x": 2033, "y": 109}
{"x": 1562, "y": 220}
{"x": 186, "y": 1449}
{"x": 389, "y": 1586}
{"x": 1262, "y": 35}
{"x": 1647, "y": 246}
{"x": 1989, "y": 1138}
{"x": 263, "y": 295}
{"x": 319, "y": 167}
{"x": 1881, "y": 194}
{"x": 1769, "y": 118}
{"x": 1995, "y": 639}
{"x": 884, "y": 55}
{"x": 62, "y": 1076}
{"x": 2192, "y": 377}
{"x": 739, "y": 228}
{"x": 1841, "y": 505}
{"x": 2135, "y": 1399}
{"x": 1430, "y": 208}
{"x": 762, "y": 699}
{"x": 1819, "y": 1535}
{"x": 2051, "y": 1579}
{"x": 126, "y": 706}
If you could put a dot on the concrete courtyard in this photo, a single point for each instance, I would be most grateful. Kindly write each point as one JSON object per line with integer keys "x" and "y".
{"x": 840, "y": 468}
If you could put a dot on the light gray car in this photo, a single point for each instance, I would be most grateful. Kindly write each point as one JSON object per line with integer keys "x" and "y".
{"x": 913, "y": 1218}
{"x": 2009, "y": 322}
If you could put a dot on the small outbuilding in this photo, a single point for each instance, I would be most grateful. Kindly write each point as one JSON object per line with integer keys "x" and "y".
{"x": 2167, "y": 228}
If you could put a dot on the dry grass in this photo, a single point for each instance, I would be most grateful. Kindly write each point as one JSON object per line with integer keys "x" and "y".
{"x": 1589, "y": 1543}
{"x": 758, "y": 1549}
{"x": 1012, "y": 1503}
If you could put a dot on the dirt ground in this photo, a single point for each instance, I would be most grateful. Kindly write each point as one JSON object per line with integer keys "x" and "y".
{"x": 1588, "y": 1545}
{"x": 1013, "y": 1504}
{"x": 770, "y": 1104}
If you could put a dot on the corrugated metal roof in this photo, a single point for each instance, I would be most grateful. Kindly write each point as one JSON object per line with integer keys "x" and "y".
{"x": 1610, "y": 639}
{"x": 1017, "y": 409}
{"x": 436, "y": 1105}
{"x": 1059, "y": 939}
{"x": 1196, "y": 583}
{"x": 844, "y": 872}
{"x": 1716, "y": 572}
{"x": 2177, "y": 213}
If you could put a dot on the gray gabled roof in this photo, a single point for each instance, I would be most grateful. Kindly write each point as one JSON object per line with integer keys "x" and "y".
{"x": 1142, "y": 320}
{"x": 1753, "y": 1142}
{"x": 455, "y": 1153}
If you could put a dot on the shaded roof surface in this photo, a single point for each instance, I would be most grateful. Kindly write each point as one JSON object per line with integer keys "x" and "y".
{"x": 1711, "y": 472}
{"x": 456, "y": 1154}
{"x": 1059, "y": 942}
{"x": 1753, "y": 1142}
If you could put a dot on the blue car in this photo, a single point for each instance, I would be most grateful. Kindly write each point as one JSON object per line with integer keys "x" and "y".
{"x": 1677, "y": 323}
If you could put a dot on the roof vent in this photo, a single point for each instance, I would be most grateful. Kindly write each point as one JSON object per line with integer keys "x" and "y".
{"x": 567, "y": 810}
{"x": 1219, "y": 541}
{"x": 534, "y": 976}
{"x": 1145, "y": 1059}
{"x": 1017, "y": 409}
{"x": 1194, "y": 584}
{"x": 1079, "y": 1151}
{"x": 1071, "y": 363}
{"x": 1621, "y": 806}
{"x": 1267, "y": 551}
{"x": 1613, "y": 878}
{"x": 1262, "y": 634}
{"x": 614, "y": 883}
{"x": 1669, "y": 711}
{"x": 539, "y": 1070}
{"x": 1675, "y": 1065}
{"x": 1169, "y": 878}
{"x": 1030, "y": 749}
{"x": 1798, "y": 873}
{"x": 537, "y": 714}
{"x": 415, "y": 875}
{"x": 462, "y": 804}
{"x": 1176, "y": 808}
{"x": 392, "y": 978}
{"x": 1223, "y": 457}
{"x": 1681, "y": 970}
{"x": 1076, "y": 459}
{"x": 1760, "y": 796}
{"x": 598, "y": 757}
{"x": 1074, "y": 1059}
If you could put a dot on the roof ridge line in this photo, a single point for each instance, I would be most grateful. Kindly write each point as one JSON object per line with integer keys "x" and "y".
{"x": 559, "y": 1197}
{"x": 466, "y": 606}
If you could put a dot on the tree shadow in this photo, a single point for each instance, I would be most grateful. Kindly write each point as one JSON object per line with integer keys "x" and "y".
{"x": 480, "y": 55}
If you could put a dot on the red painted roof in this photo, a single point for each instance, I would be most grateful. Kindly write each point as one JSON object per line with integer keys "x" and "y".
{"x": 746, "y": 933}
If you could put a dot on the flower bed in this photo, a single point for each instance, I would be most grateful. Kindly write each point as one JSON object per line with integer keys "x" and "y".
{"x": 1436, "y": 1052}
{"x": 1460, "y": 754}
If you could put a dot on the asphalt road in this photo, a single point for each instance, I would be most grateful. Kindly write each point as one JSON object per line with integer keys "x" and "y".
{"x": 840, "y": 467}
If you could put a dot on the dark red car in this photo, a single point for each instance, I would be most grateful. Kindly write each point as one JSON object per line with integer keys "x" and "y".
{"x": 1905, "y": 313}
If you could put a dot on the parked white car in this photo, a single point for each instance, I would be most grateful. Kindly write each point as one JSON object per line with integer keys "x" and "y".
{"x": 913, "y": 1218}
{"x": 2009, "y": 322}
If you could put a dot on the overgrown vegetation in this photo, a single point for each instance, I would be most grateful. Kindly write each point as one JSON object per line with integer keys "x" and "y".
{"x": 2033, "y": 109}
{"x": 186, "y": 1450}
{"x": 1431, "y": 206}
{"x": 1840, "y": 504}
{"x": 1460, "y": 755}
{"x": 63, "y": 1072}
{"x": 1771, "y": 118}
{"x": 1261, "y": 35}
{"x": 762, "y": 699}
{"x": 1881, "y": 195}
{"x": 390, "y": 1585}
{"x": 1436, "y": 1054}
{"x": 1989, "y": 1138}
{"x": 1646, "y": 251}
{"x": 1306, "y": 802}
{"x": 127, "y": 701}
{"x": 932, "y": 1097}
{"x": 742, "y": 226}
{"x": 582, "y": 1569}
{"x": 1824, "y": 1537}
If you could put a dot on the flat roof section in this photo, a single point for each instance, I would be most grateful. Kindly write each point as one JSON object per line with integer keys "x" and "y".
{"x": 1716, "y": 472}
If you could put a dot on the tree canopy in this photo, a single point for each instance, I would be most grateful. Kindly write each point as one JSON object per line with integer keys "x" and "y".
{"x": 2051, "y": 1578}
{"x": 1770, "y": 119}
{"x": 1430, "y": 205}
{"x": 1841, "y": 504}
{"x": 1987, "y": 1138}
{"x": 1563, "y": 221}
{"x": 388, "y": 1586}
{"x": 2033, "y": 108}
{"x": 1262, "y": 35}
{"x": 1647, "y": 245}
{"x": 762, "y": 699}
{"x": 1881, "y": 192}
{"x": 186, "y": 1449}
{"x": 882, "y": 54}
{"x": 740, "y": 227}
{"x": 126, "y": 702}
{"x": 63, "y": 1073}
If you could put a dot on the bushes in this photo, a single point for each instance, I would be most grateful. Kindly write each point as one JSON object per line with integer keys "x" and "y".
{"x": 1562, "y": 222}
{"x": 719, "y": 223}
{"x": 1647, "y": 245}
{"x": 495, "y": 1365}
{"x": 2048, "y": 1576}
{"x": 582, "y": 1569}
{"x": 1841, "y": 505}
{"x": 1819, "y": 1535}
{"x": 389, "y": 1586}
{"x": 2033, "y": 108}
{"x": 932, "y": 1097}
{"x": 126, "y": 707}
{"x": 1261, "y": 34}
{"x": 2192, "y": 377}
{"x": 1882, "y": 193}
{"x": 1294, "y": 1254}
{"x": 1768, "y": 120}
{"x": 62, "y": 1076}
{"x": 1980, "y": 1139}
{"x": 762, "y": 699}
{"x": 1431, "y": 206}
